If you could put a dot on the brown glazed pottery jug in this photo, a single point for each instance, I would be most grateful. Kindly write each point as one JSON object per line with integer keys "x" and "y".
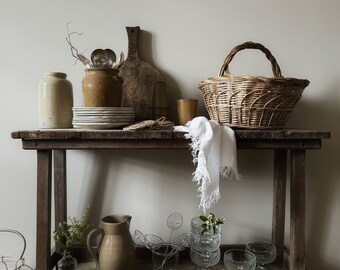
{"x": 102, "y": 87}
{"x": 116, "y": 250}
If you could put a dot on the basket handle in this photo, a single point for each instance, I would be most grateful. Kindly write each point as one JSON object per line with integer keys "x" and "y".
{"x": 251, "y": 45}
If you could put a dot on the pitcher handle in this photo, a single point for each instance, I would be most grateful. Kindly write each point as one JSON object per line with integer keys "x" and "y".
{"x": 95, "y": 232}
{"x": 128, "y": 218}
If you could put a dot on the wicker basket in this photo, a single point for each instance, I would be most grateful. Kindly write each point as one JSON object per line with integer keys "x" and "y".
{"x": 248, "y": 101}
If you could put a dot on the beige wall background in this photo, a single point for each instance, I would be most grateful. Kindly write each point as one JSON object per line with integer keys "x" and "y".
{"x": 187, "y": 41}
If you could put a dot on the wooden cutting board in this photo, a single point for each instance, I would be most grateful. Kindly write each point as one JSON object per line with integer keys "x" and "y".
{"x": 139, "y": 78}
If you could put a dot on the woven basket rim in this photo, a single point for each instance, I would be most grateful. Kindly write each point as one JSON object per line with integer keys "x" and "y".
{"x": 226, "y": 77}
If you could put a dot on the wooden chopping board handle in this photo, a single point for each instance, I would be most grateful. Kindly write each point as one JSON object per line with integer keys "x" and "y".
{"x": 133, "y": 33}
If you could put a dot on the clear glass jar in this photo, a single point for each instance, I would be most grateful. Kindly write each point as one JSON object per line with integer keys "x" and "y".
{"x": 204, "y": 248}
{"x": 67, "y": 262}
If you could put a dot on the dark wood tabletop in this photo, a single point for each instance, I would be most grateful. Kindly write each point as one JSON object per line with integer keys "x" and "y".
{"x": 81, "y": 138}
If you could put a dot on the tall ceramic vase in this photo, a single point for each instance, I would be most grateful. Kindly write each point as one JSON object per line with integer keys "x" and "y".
{"x": 116, "y": 248}
{"x": 102, "y": 87}
{"x": 55, "y": 101}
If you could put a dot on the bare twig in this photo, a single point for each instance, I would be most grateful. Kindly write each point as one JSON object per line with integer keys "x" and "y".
{"x": 74, "y": 51}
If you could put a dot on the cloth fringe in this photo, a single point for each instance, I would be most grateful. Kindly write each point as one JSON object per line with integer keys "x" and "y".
{"x": 213, "y": 148}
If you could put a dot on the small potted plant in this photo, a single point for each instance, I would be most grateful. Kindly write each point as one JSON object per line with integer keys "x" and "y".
{"x": 68, "y": 236}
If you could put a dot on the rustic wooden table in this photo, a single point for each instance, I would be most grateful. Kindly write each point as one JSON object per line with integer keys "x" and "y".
{"x": 56, "y": 142}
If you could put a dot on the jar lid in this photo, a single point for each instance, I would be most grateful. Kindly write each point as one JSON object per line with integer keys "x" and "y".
{"x": 61, "y": 75}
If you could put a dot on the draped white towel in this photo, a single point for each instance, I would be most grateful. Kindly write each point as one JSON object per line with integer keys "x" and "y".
{"x": 213, "y": 148}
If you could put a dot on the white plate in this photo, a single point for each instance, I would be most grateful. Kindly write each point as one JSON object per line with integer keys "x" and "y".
{"x": 94, "y": 121}
{"x": 99, "y": 125}
{"x": 100, "y": 109}
{"x": 107, "y": 119}
{"x": 104, "y": 114}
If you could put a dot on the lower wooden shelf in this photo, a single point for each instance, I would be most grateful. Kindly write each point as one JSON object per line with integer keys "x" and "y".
{"x": 144, "y": 261}
{"x": 191, "y": 266}
{"x": 183, "y": 266}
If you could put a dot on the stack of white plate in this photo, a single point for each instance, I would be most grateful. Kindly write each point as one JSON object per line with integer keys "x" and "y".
{"x": 102, "y": 117}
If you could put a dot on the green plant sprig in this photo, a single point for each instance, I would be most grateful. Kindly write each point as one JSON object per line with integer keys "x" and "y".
{"x": 211, "y": 221}
{"x": 72, "y": 233}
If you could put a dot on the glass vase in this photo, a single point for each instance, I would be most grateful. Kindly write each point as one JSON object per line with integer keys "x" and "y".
{"x": 205, "y": 248}
{"x": 165, "y": 257}
{"x": 67, "y": 262}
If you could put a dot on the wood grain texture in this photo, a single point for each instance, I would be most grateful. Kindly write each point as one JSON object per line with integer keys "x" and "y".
{"x": 153, "y": 139}
{"x": 60, "y": 189}
{"x": 139, "y": 77}
{"x": 297, "y": 210}
{"x": 279, "y": 202}
{"x": 44, "y": 179}
{"x": 289, "y": 134}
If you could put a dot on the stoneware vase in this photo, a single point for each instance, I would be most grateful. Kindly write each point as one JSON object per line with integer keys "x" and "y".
{"x": 116, "y": 248}
{"x": 55, "y": 101}
{"x": 102, "y": 87}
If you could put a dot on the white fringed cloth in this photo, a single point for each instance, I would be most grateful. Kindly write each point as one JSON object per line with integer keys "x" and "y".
{"x": 213, "y": 148}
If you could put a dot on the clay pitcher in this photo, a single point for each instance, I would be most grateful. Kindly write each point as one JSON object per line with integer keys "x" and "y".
{"x": 116, "y": 250}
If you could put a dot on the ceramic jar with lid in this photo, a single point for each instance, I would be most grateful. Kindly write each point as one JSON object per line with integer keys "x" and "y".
{"x": 55, "y": 101}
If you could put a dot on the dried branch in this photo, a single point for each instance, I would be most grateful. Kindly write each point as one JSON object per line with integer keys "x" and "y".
{"x": 74, "y": 51}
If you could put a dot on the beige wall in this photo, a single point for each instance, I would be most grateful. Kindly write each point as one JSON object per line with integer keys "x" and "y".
{"x": 187, "y": 41}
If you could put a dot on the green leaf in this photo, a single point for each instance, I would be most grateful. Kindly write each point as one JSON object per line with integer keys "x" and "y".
{"x": 203, "y": 218}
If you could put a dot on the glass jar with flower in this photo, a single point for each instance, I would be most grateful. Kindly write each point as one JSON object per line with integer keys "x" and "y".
{"x": 205, "y": 240}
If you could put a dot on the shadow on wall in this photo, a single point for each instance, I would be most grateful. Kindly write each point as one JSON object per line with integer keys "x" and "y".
{"x": 322, "y": 179}
{"x": 97, "y": 186}
{"x": 126, "y": 171}
{"x": 173, "y": 90}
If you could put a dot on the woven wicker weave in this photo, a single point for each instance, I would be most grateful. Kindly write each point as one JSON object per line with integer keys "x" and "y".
{"x": 249, "y": 101}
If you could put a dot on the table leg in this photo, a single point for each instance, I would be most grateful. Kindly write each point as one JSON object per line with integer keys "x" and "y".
{"x": 43, "y": 249}
{"x": 279, "y": 202}
{"x": 297, "y": 210}
{"x": 60, "y": 190}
